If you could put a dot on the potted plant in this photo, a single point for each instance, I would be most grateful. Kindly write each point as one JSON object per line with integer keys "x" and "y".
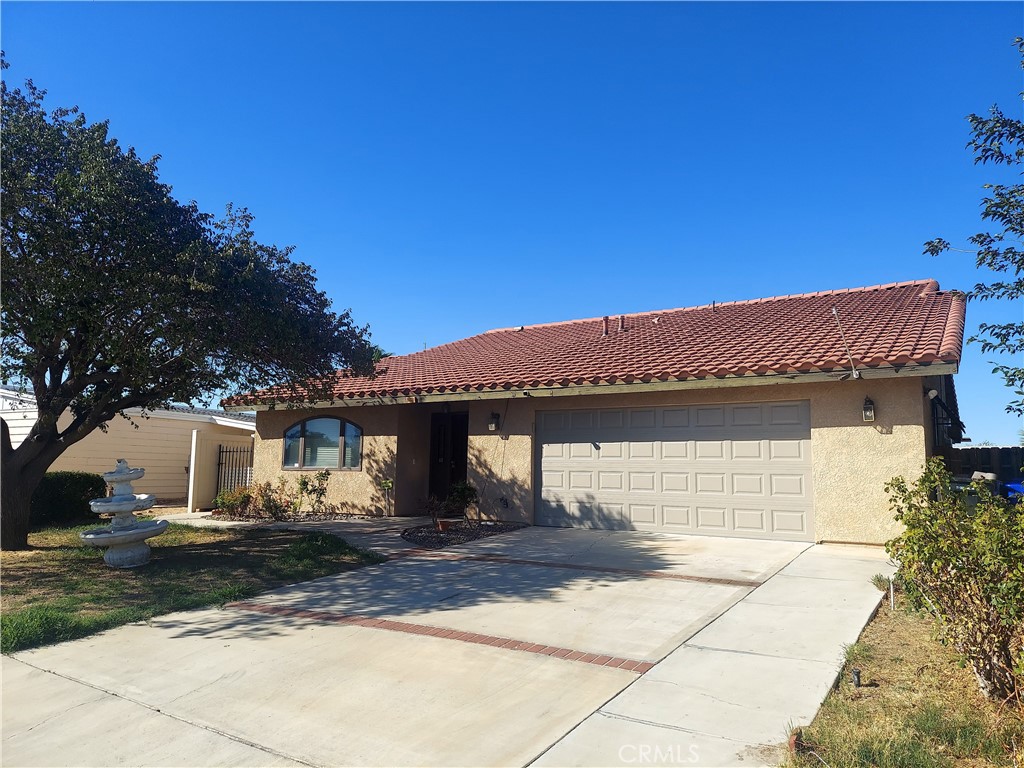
{"x": 460, "y": 496}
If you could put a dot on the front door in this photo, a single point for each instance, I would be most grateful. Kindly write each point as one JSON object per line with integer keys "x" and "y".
{"x": 449, "y": 443}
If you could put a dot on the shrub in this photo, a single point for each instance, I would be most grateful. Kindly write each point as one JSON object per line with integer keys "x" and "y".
{"x": 271, "y": 500}
{"x": 315, "y": 488}
{"x": 234, "y": 501}
{"x": 963, "y": 560}
{"x": 63, "y": 497}
{"x": 460, "y": 496}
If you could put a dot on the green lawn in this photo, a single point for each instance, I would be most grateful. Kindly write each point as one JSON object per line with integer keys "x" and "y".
{"x": 59, "y": 590}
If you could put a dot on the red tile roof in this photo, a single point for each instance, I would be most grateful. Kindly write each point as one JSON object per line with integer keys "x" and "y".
{"x": 895, "y": 325}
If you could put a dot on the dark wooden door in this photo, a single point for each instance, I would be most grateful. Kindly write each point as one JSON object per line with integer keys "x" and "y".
{"x": 449, "y": 445}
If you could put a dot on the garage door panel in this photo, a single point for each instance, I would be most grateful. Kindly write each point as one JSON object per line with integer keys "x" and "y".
{"x": 712, "y": 519}
{"x": 749, "y": 520}
{"x": 788, "y": 485}
{"x": 739, "y": 469}
{"x": 785, "y": 450}
{"x": 789, "y": 521}
{"x": 709, "y": 483}
{"x": 747, "y": 450}
{"x": 641, "y": 450}
{"x": 610, "y": 450}
{"x": 610, "y": 481}
{"x": 746, "y": 416}
{"x": 579, "y": 420}
{"x": 676, "y": 517}
{"x": 552, "y": 421}
{"x": 606, "y": 515}
{"x": 713, "y": 450}
{"x": 554, "y": 451}
{"x": 675, "y": 482}
{"x": 748, "y": 484}
{"x": 581, "y": 480}
{"x": 553, "y": 480}
{"x": 675, "y": 450}
{"x": 675, "y": 417}
{"x": 709, "y": 416}
{"x": 786, "y": 415}
{"x": 581, "y": 451}
{"x": 643, "y": 514}
{"x": 643, "y": 482}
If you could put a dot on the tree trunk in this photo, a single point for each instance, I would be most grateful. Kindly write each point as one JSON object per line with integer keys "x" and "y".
{"x": 21, "y": 471}
{"x": 14, "y": 507}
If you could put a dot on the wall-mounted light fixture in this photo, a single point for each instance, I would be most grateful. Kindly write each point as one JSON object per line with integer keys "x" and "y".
{"x": 494, "y": 423}
{"x": 869, "y": 409}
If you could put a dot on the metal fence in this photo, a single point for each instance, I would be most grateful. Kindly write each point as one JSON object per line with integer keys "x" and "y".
{"x": 234, "y": 467}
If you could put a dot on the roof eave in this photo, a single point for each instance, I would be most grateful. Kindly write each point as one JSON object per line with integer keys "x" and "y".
{"x": 746, "y": 380}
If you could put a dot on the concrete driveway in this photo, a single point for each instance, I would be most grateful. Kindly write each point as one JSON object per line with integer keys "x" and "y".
{"x": 545, "y": 646}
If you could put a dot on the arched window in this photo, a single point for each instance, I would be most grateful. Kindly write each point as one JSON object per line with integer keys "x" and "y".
{"x": 323, "y": 443}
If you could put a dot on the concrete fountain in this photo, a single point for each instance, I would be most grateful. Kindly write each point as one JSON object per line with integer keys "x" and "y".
{"x": 125, "y": 537}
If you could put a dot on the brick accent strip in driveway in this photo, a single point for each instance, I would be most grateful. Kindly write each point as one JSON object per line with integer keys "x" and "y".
{"x": 628, "y": 665}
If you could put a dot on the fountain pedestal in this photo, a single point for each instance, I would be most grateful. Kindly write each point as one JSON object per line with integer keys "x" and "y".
{"x": 125, "y": 537}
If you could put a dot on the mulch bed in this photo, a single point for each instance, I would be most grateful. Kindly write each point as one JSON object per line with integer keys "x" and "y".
{"x": 428, "y": 537}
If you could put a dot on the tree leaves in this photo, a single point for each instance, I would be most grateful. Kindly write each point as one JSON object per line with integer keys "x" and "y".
{"x": 999, "y": 140}
{"x": 116, "y": 295}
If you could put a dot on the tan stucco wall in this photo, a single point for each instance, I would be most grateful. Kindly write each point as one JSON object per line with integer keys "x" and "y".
{"x": 852, "y": 459}
{"x": 501, "y": 463}
{"x": 413, "y": 466}
{"x": 355, "y": 491}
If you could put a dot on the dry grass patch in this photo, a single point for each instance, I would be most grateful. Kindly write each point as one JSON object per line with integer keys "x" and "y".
{"x": 60, "y": 590}
{"x": 917, "y": 707}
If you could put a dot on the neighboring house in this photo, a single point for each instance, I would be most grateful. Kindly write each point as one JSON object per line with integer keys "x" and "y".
{"x": 162, "y": 444}
{"x": 752, "y": 418}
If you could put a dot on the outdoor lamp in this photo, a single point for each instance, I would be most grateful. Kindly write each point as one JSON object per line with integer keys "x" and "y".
{"x": 869, "y": 409}
{"x": 494, "y": 423}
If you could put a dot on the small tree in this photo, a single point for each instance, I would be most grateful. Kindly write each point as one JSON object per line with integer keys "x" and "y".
{"x": 962, "y": 556}
{"x": 999, "y": 139}
{"x": 117, "y": 296}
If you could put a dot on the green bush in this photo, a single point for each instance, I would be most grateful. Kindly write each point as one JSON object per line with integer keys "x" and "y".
{"x": 234, "y": 500}
{"x": 315, "y": 489}
{"x": 961, "y": 557}
{"x": 63, "y": 497}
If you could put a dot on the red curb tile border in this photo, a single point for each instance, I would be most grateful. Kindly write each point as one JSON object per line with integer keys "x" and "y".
{"x": 628, "y": 665}
{"x": 434, "y": 554}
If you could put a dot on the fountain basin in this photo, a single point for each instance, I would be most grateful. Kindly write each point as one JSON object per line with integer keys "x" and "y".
{"x": 125, "y": 537}
{"x": 120, "y": 504}
{"x": 127, "y": 546}
{"x": 124, "y": 473}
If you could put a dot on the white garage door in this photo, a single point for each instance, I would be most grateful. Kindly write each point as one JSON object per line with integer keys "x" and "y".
{"x": 730, "y": 470}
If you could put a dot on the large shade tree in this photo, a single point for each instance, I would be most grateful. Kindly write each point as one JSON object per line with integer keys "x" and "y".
{"x": 999, "y": 140}
{"x": 116, "y": 296}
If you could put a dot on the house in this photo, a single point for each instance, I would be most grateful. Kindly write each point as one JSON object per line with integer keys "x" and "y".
{"x": 778, "y": 418}
{"x": 163, "y": 444}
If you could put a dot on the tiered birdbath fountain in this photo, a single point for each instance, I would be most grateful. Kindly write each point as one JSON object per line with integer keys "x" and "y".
{"x": 126, "y": 536}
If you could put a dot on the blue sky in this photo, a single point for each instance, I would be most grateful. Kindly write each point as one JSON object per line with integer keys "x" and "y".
{"x": 450, "y": 168}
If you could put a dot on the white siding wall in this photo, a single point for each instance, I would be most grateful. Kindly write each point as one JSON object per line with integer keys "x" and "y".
{"x": 19, "y": 421}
